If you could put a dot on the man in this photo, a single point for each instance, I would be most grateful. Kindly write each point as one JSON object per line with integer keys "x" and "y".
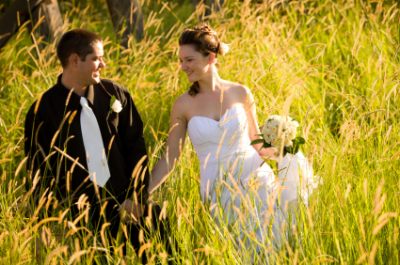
{"x": 84, "y": 141}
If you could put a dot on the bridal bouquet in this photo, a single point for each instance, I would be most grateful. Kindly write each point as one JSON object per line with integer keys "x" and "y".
{"x": 295, "y": 173}
{"x": 280, "y": 132}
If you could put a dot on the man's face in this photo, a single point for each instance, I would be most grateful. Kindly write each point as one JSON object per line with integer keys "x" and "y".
{"x": 88, "y": 70}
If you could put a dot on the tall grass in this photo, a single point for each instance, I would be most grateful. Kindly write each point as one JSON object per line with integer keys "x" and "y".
{"x": 333, "y": 65}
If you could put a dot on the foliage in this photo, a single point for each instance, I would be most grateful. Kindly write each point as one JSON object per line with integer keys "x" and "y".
{"x": 332, "y": 64}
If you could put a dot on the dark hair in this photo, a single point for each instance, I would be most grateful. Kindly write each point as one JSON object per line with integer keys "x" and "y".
{"x": 77, "y": 41}
{"x": 205, "y": 40}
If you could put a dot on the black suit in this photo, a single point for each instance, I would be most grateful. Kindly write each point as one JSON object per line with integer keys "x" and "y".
{"x": 54, "y": 145}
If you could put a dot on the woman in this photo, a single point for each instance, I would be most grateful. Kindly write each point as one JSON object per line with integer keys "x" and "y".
{"x": 220, "y": 118}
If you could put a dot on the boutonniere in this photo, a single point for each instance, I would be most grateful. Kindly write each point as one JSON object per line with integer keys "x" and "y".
{"x": 115, "y": 105}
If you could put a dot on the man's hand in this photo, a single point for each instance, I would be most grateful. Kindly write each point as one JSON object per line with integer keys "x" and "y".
{"x": 130, "y": 211}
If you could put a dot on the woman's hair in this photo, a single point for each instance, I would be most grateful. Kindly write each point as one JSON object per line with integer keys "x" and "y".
{"x": 205, "y": 40}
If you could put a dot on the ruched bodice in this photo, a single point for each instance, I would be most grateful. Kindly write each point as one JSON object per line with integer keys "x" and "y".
{"x": 223, "y": 147}
{"x": 219, "y": 139}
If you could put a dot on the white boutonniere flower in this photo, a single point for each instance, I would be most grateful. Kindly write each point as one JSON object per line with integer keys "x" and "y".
{"x": 115, "y": 105}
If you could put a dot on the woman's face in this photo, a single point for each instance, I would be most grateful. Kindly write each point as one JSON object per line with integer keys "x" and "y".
{"x": 193, "y": 63}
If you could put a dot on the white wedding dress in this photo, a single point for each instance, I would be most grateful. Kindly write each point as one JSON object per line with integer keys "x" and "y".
{"x": 233, "y": 175}
{"x": 234, "y": 179}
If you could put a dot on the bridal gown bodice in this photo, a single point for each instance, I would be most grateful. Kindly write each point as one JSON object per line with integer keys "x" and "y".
{"x": 224, "y": 151}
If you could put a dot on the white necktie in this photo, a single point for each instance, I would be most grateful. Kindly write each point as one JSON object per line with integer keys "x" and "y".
{"x": 92, "y": 140}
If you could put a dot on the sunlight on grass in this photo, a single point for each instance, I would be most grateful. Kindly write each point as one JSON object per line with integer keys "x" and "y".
{"x": 332, "y": 65}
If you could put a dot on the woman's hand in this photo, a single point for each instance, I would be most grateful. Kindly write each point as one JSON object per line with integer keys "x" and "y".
{"x": 270, "y": 153}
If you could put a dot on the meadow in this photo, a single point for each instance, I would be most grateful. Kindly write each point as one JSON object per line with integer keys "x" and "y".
{"x": 332, "y": 65}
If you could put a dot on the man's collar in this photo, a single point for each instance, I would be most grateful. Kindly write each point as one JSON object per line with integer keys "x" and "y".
{"x": 89, "y": 94}
{"x": 60, "y": 84}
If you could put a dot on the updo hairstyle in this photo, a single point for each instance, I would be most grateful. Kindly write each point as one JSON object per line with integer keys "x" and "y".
{"x": 205, "y": 40}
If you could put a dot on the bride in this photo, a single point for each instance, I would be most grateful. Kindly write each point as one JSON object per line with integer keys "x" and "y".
{"x": 220, "y": 119}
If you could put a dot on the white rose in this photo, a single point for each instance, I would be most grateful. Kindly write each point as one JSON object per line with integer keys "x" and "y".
{"x": 279, "y": 130}
{"x": 292, "y": 129}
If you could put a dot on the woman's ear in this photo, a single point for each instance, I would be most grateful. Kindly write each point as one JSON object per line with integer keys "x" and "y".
{"x": 212, "y": 58}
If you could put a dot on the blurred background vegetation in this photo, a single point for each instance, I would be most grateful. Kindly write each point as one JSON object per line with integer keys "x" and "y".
{"x": 332, "y": 65}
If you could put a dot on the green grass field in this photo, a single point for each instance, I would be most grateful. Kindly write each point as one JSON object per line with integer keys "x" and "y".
{"x": 332, "y": 65}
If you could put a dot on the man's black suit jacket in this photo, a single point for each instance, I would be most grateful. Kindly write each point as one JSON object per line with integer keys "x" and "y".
{"x": 55, "y": 149}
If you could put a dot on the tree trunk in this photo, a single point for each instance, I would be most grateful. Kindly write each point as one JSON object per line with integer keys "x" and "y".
{"x": 127, "y": 18}
{"x": 52, "y": 26}
{"x": 21, "y": 11}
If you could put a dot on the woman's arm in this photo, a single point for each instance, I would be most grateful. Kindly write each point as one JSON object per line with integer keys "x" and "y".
{"x": 254, "y": 130}
{"x": 175, "y": 143}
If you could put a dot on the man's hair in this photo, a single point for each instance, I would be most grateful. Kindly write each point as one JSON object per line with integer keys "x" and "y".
{"x": 77, "y": 41}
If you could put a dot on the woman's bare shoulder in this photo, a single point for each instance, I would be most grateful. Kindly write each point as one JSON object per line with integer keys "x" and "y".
{"x": 240, "y": 91}
{"x": 182, "y": 104}
{"x": 183, "y": 100}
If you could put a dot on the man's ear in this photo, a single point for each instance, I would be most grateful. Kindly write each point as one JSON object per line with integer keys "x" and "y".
{"x": 212, "y": 58}
{"x": 73, "y": 59}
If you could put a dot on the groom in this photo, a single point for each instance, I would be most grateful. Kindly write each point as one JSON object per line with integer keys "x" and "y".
{"x": 84, "y": 141}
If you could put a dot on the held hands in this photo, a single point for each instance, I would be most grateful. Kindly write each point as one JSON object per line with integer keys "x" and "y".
{"x": 130, "y": 211}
